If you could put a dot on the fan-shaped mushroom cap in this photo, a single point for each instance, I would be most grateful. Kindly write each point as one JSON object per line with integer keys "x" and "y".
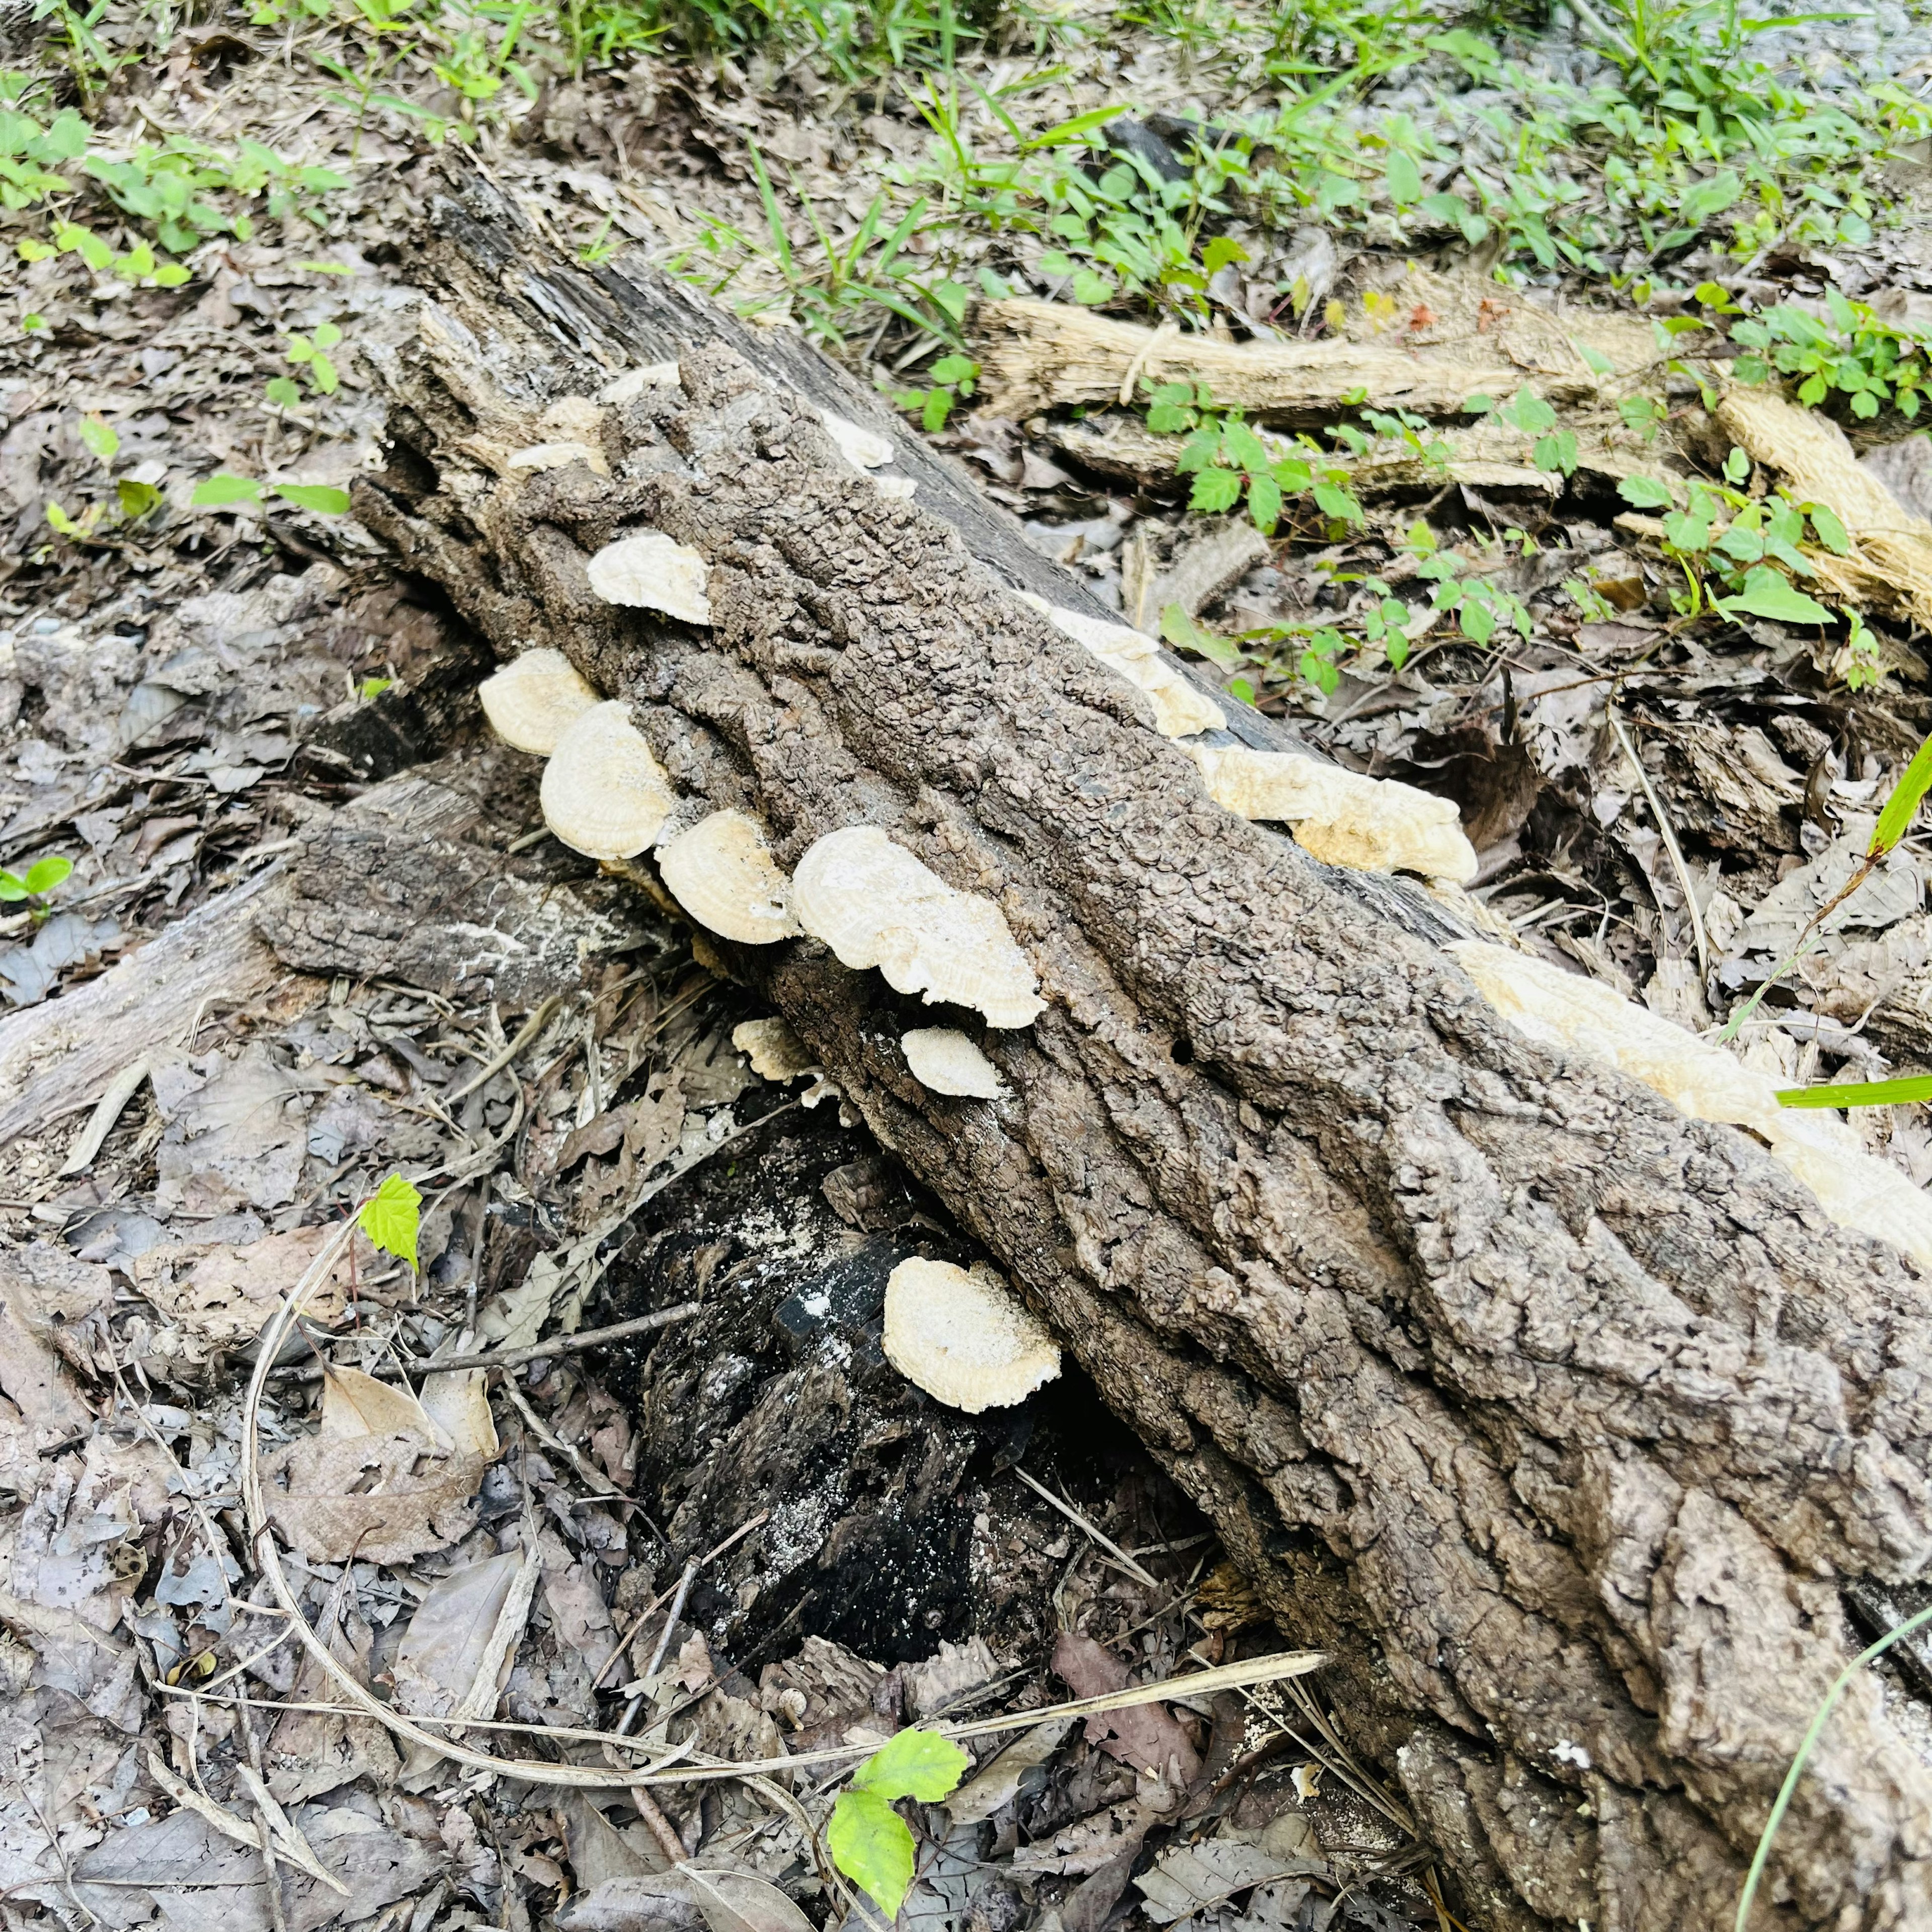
{"x": 1179, "y": 709}
{"x": 874, "y": 905}
{"x": 944, "y": 1060}
{"x": 964, "y": 1337}
{"x": 1370, "y": 825}
{"x": 901, "y": 488}
{"x": 649, "y": 570}
{"x": 633, "y": 382}
{"x": 603, "y": 793}
{"x": 1856, "y": 1189}
{"x": 863, "y": 448}
{"x": 776, "y": 1052}
{"x": 575, "y": 417}
{"x": 558, "y": 456}
{"x": 535, "y": 699}
{"x": 720, "y": 871}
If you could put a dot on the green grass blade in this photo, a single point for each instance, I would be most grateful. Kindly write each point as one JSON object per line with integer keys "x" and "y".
{"x": 774, "y": 220}
{"x": 1809, "y": 1744}
{"x": 1903, "y": 805}
{"x": 1860, "y": 1093}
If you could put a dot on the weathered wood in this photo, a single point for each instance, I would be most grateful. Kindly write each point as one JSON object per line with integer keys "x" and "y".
{"x": 408, "y": 881}
{"x": 1557, "y": 1417}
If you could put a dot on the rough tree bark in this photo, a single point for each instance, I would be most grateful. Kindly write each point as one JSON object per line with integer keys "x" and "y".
{"x": 1559, "y": 1419}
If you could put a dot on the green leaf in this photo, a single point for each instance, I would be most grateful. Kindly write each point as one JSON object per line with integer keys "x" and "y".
{"x": 12, "y": 887}
{"x": 1529, "y": 413}
{"x": 99, "y": 438}
{"x": 282, "y": 393}
{"x": 392, "y": 1218}
{"x": 1860, "y": 1093}
{"x": 1768, "y": 594}
{"x": 373, "y": 687}
{"x": 137, "y": 499}
{"x": 1179, "y": 629}
{"x": 871, "y": 1845}
{"x": 323, "y": 498}
{"x": 44, "y": 877}
{"x": 1220, "y": 252}
{"x": 1334, "y": 499}
{"x": 1090, "y": 290}
{"x": 1902, "y": 807}
{"x": 222, "y": 489}
{"x": 916, "y": 1764}
{"x": 1265, "y": 503}
{"x": 1830, "y": 532}
{"x": 1556, "y": 453}
{"x": 1644, "y": 493}
{"x": 1214, "y": 490}
{"x": 955, "y": 369}
{"x": 1404, "y": 179}
{"x": 938, "y": 406}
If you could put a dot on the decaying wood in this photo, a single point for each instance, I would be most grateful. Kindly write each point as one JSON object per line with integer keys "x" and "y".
{"x": 409, "y": 881}
{"x": 1039, "y": 356}
{"x": 1557, "y": 1418}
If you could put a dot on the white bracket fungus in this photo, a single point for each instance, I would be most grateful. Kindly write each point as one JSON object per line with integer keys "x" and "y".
{"x": 535, "y": 699}
{"x": 1370, "y": 825}
{"x": 633, "y": 382}
{"x": 651, "y": 571}
{"x": 1179, "y": 709}
{"x": 1857, "y": 1189}
{"x": 863, "y": 448}
{"x": 557, "y": 456}
{"x": 964, "y": 1337}
{"x": 778, "y": 1054}
{"x": 603, "y": 792}
{"x": 874, "y": 905}
{"x": 943, "y": 1060}
{"x": 720, "y": 871}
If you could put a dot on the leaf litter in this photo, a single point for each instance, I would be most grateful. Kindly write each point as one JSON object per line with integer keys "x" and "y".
{"x": 191, "y": 705}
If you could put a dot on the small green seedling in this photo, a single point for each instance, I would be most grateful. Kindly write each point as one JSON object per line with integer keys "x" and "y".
{"x": 871, "y": 1842}
{"x": 373, "y": 687}
{"x": 953, "y": 377}
{"x": 35, "y": 883}
{"x": 1894, "y": 822}
{"x": 392, "y": 1217}
{"x": 309, "y": 353}
{"x": 1553, "y": 450}
{"x": 223, "y": 490}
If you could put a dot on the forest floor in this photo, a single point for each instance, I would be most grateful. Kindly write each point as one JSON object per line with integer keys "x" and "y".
{"x": 1668, "y": 671}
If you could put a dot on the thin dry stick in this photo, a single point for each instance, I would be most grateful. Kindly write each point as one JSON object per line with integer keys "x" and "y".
{"x": 278, "y": 1917}
{"x": 1669, "y": 834}
{"x": 677, "y": 1610}
{"x": 597, "y": 1483}
{"x": 710, "y": 1556}
{"x": 538, "y": 1352}
{"x": 527, "y": 1032}
{"x": 1072, "y": 1515}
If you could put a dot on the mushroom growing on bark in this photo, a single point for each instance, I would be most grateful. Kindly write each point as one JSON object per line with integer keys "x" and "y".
{"x": 649, "y": 570}
{"x": 874, "y": 905}
{"x": 1370, "y": 825}
{"x": 943, "y": 1060}
{"x": 603, "y": 792}
{"x": 720, "y": 871}
{"x": 1179, "y": 709}
{"x": 863, "y": 448}
{"x": 535, "y": 699}
{"x": 964, "y": 1336}
{"x": 1856, "y": 1189}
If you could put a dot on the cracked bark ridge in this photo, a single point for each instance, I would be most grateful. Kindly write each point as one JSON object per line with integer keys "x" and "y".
{"x": 1556, "y": 1417}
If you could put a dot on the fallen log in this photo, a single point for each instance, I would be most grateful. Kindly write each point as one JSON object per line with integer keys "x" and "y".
{"x": 1559, "y": 1419}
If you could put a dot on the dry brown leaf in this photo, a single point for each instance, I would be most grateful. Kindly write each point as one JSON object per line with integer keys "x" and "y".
{"x": 1146, "y": 1738}
{"x": 355, "y": 1403}
{"x": 378, "y": 1498}
{"x": 220, "y": 1293}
